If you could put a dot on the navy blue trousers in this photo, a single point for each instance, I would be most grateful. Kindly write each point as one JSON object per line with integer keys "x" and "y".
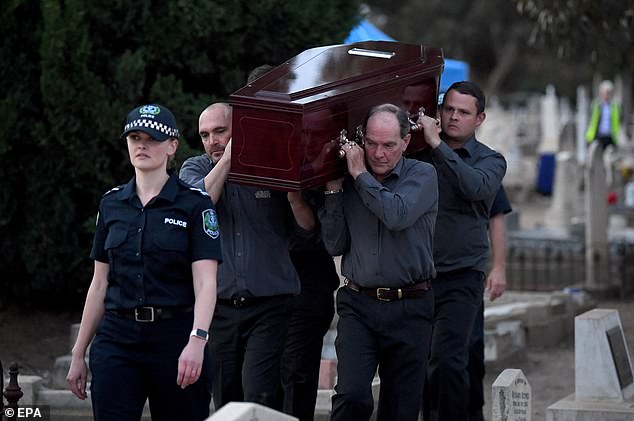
{"x": 132, "y": 362}
{"x": 476, "y": 368}
{"x": 246, "y": 346}
{"x": 394, "y": 336}
{"x": 458, "y": 296}
{"x": 313, "y": 311}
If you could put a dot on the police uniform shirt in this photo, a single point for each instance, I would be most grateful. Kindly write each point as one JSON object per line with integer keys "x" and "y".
{"x": 150, "y": 249}
{"x": 468, "y": 180}
{"x": 257, "y": 226}
{"x": 384, "y": 231}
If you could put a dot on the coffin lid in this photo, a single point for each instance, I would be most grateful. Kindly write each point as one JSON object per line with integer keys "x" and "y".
{"x": 329, "y": 71}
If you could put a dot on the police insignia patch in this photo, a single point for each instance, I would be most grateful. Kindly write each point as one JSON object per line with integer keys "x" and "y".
{"x": 210, "y": 223}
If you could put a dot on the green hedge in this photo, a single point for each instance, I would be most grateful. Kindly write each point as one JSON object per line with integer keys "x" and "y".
{"x": 70, "y": 72}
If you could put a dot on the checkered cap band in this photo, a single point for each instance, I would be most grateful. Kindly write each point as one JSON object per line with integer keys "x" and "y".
{"x": 151, "y": 124}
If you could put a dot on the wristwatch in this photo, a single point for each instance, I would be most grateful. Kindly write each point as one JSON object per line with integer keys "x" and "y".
{"x": 200, "y": 333}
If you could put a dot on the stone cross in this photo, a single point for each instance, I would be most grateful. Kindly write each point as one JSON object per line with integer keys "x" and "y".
{"x": 511, "y": 397}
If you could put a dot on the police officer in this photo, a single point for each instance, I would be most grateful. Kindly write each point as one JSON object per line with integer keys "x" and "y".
{"x": 153, "y": 292}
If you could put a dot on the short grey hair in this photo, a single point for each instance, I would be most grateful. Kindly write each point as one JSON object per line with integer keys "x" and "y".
{"x": 401, "y": 116}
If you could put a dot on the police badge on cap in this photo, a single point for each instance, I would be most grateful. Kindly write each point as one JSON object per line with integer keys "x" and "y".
{"x": 153, "y": 119}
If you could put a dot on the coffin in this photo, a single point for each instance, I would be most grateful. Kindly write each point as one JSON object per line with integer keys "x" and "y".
{"x": 286, "y": 124}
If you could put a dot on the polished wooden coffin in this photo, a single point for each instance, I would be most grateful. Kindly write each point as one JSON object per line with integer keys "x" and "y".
{"x": 286, "y": 124}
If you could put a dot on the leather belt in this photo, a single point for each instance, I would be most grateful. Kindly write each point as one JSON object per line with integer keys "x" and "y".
{"x": 417, "y": 290}
{"x": 151, "y": 314}
{"x": 241, "y": 302}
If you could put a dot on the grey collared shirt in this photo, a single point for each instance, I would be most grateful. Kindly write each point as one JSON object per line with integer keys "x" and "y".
{"x": 468, "y": 180}
{"x": 384, "y": 231}
{"x": 256, "y": 226}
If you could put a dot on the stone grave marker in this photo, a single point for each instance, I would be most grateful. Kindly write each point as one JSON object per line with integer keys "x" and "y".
{"x": 604, "y": 384}
{"x": 511, "y": 397}
{"x": 248, "y": 411}
{"x": 603, "y": 368}
{"x": 596, "y": 217}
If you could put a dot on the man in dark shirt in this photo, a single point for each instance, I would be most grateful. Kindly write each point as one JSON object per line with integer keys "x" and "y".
{"x": 469, "y": 176}
{"x": 495, "y": 284}
{"x": 381, "y": 219}
{"x": 313, "y": 308}
{"x": 257, "y": 280}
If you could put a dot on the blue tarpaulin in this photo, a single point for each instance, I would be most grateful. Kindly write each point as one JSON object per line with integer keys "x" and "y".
{"x": 454, "y": 71}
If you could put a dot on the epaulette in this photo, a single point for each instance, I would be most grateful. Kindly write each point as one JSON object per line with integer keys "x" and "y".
{"x": 196, "y": 189}
{"x": 192, "y": 188}
{"x": 114, "y": 189}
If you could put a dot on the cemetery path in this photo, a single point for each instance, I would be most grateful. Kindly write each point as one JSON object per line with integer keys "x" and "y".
{"x": 34, "y": 338}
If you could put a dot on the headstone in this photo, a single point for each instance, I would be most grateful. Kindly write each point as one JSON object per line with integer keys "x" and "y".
{"x": 549, "y": 122}
{"x": 603, "y": 368}
{"x": 596, "y": 211}
{"x": 565, "y": 197}
{"x": 604, "y": 385}
{"x": 248, "y": 411}
{"x": 581, "y": 122}
{"x": 511, "y": 397}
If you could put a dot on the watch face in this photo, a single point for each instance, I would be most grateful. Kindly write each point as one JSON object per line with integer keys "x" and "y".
{"x": 201, "y": 334}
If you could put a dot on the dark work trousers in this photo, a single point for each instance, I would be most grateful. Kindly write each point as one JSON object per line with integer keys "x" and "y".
{"x": 458, "y": 296}
{"x": 313, "y": 311}
{"x": 605, "y": 141}
{"x": 394, "y": 336}
{"x": 133, "y": 361}
{"x": 476, "y": 368}
{"x": 246, "y": 347}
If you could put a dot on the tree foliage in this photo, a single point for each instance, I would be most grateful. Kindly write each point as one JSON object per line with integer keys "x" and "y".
{"x": 490, "y": 35}
{"x": 601, "y": 31}
{"x": 71, "y": 71}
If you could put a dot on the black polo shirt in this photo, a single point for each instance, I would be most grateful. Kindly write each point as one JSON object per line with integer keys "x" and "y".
{"x": 468, "y": 180}
{"x": 150, "y": 249}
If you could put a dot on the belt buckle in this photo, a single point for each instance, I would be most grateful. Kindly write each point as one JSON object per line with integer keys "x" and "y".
{"x": 138, "y": 317}
{"x": 378, "y": 294}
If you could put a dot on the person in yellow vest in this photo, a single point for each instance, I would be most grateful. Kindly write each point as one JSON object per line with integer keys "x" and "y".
{"x": 604, "y": 119}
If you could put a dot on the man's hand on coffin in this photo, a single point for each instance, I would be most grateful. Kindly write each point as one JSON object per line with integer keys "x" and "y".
{"x": 355, "y": 157}
{"x": 431, "y": 130}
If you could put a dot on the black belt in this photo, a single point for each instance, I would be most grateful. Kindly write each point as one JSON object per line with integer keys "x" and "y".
{"x": 241, "y": 302}
{"x": 417, "y": 290}
{"x": 151, "y": 314}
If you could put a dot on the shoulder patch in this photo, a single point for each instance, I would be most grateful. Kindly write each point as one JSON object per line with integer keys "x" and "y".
{"x": 210, "y": 223}
{"x": 114, "y": 189}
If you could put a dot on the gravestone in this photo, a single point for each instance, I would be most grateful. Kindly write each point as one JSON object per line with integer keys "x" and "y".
{"x": 565, "y": 196}
{"x": 549, "y": 122}
{"x": 581, "y": 123}
{"x": 603, "y": 368}
{"x": 511, "y": 397}
{"x": 248, "y": 411}
{"x": 596, "y": 211}
{"x": 604, "y": 384}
